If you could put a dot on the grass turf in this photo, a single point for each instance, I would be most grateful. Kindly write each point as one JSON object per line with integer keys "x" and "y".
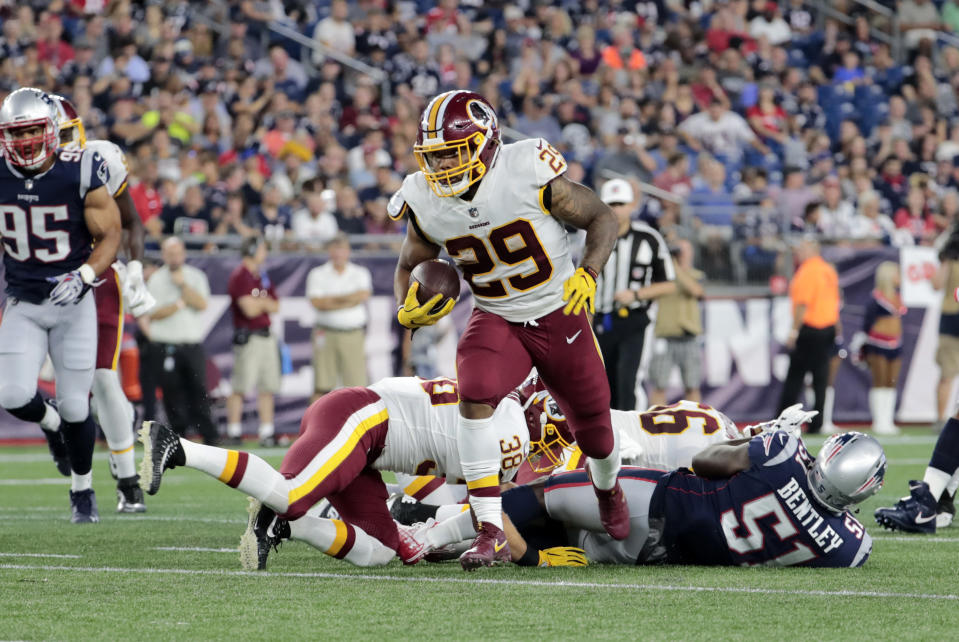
{"x": 114, "y": 580}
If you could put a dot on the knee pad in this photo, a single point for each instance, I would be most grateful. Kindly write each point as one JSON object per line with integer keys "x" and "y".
{"x": 74, "y": 409}
{"x": 15, "y": 396}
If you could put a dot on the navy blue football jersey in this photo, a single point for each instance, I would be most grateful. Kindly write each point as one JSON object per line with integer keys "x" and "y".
{"x": 42, "y": 221}
{"x": 763, "y": 515}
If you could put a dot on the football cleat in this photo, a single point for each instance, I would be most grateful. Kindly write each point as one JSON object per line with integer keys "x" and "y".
{"x": 58, "y": 450}
{"x": 913, "y": 514}
{"x": 130, "y": 495}
{"x": 83, "y": 505}
{"x": 264, "y": 531}
{"x": 489, "y": 548}
{"x": 414, "y": 544}
{"x": 613, "y": 511}
{"x": 946, "y": 511}
{"x": 161, "y": 450}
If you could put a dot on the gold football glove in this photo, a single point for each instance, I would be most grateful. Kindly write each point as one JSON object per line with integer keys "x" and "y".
{"x": 562, "y": 556}
{"x": 414, "y": 315}
{"x": 579, "y": 291}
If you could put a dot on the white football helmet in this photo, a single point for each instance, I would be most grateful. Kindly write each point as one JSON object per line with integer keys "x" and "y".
{"x": 849, "y": 469}
{"x": 29, "y": 128}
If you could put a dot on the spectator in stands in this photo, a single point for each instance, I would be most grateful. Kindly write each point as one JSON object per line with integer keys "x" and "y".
{"x": 189, "y": 216}
{"x": 794, "y": 197}
{"x": 814, "y": 293}
{"x": 767, "y": 118}
{"x": 914, "y": 217}
{"x": 335, "y": 31}
{"x": 256, "y": 360}
{"x": 338, "y": 290}
{"x": 675, "y": 178}
{"x": 234, "y": 219}
{"x": 837, "y": 214}
{"x": 720, "y": 132}
{"x": 314, "y": 224}
{"x": 678, "y": 328}
{"x": 625, "y": 157}
{"x": 770, "y": 25}
{"x": 182, "y": 293}
{"x": 869, "y": 224}
{"x": 918, "y": 20}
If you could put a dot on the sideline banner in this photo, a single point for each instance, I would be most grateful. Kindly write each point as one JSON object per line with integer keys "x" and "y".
{"x": 744, "y": 359}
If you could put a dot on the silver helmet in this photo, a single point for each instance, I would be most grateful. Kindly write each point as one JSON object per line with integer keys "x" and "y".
{"x": 849, "y": 469}
{"x": 29, "y": 128}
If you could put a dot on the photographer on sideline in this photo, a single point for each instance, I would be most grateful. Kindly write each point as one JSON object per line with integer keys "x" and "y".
{"x": 947, "y": 354}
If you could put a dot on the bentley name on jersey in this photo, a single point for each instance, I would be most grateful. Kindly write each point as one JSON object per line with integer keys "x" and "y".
{"x": 42, "y": 221}
{"x": 421, "y": 439}
{"x": 513, "y": 254}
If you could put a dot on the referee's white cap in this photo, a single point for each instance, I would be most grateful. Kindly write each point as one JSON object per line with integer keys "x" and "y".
{"x": 616, "y": 190}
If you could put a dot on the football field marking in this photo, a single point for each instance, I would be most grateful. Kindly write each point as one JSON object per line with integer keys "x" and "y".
{"x": 195, "y": 549}
{"x": 60, "y": 555}
{"x": 474, "y": 581}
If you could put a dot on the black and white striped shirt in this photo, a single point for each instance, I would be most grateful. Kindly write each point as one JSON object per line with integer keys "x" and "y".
{"x": 639, "y": 258}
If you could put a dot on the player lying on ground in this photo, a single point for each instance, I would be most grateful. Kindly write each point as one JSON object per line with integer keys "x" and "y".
{"x": 346, "y": 438}
{"x": 678, "y": 433}
{"x": 759, "y": 500}
{"x": 929, "y": 504}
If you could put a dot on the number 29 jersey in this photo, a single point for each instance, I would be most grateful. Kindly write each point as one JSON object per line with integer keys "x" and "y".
{"x": 421, "y": 439}
{"x": 42, "y": 221}
{"x": 513, "y": 253}
{"x": 764, "y": 515}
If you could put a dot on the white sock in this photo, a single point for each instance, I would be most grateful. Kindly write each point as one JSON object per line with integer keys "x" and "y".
{"x": 480, "y": 457}
{"x": 875, "y": 407}
{"x": 937, "y": 481}
{"x": 234, "y": 430}
{"x": 828, "y": 404}
{"x": 446, "y": 511}
{"x": 603, "y": 472}
{"x": 243, "y": 471}
{"x": 452, "y": 530}
{"x": 953, "y": 484}
{"x": 124, "y": 462}
{"x": 265, "y": 430}
{"x": 81, "y": 482}
{"x": 332, "y": 537}
{"x": 51, "y": 419}
{"x": 889, "y": 395}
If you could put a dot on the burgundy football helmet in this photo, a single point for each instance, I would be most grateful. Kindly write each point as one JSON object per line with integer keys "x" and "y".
{"x": 458, "y": 125}
{"x": 549, "y": 435}
{"x": 72, "y": 133}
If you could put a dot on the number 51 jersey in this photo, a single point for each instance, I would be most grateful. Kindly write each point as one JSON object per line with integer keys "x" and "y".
{"x": 513, "y": 253}
{"x": 764, "y": 515}
{"x": 42, "y": 221}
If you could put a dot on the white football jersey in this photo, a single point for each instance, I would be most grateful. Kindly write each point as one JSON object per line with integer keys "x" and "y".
{"x": 116, "y": 162}
{"x": 512, "y": 252}
{"x": 423, "y": 417}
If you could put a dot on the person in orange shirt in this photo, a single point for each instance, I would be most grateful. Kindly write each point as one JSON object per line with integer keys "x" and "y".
{"x": 623, "y": 54}
{"x": 814, "y": 292}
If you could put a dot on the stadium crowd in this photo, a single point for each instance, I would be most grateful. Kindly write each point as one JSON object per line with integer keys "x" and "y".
{"x": 763, "y": 117}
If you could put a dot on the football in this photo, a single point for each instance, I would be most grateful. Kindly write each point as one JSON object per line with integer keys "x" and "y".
{"x": 436, "y": 277}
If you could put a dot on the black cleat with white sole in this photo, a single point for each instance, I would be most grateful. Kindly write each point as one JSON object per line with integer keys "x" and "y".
{"x": 264, "y": 531}
{"x": 83, "y": 506}
{"x": 161, "y": 450}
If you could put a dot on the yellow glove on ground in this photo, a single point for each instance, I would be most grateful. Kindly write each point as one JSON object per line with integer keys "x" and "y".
{"x": 562, "y": 556}
{"x": 579, "y": 290}
{"x": 414, "y": 315}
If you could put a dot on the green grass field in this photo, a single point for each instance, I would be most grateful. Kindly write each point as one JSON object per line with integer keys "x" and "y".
{"x": 173, "y": 573}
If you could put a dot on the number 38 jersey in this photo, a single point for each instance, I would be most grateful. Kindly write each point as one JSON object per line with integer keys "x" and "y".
{"x": 423, "y": 417}
{"x": 513, "y": 254}
{"x": 42, "y": 221}
{"x": 764, "y": 515}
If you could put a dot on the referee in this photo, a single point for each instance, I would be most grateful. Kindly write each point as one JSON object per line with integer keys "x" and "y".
{"x": 638, "y": 271}
{"x": 814, "y": 292}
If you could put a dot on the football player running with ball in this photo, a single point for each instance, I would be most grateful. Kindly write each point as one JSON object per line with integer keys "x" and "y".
{"x": 61, "y": 230}
{"x": 122, "y": 285}
{"x": 499, "y": 211}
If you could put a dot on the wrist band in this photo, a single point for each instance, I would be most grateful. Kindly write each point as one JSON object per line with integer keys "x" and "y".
{"x": 530, "y": 557}
{"x": 87, "y": 275}
{"x": 590, "y": 271}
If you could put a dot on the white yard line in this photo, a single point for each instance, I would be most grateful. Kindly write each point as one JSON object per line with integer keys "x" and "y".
{"x": 928, "y": 539}
{"x": 43, "y": 481}
{"x": 474, "y": 581}
{"x": 40, "y": 555}
{"x": 195, "y": 549}
{"x": 137, "y": 518}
